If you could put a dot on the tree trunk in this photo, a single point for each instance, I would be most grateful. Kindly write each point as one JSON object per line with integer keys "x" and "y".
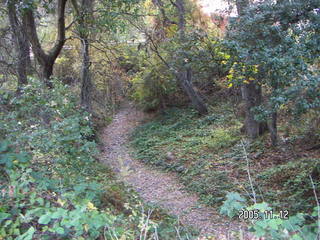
{"x": 251, "y": 93}
{"x": 46, "y": 72}
{"x": 21, "y": 44}
{"x": 26, "y": 48}
{"x": 272, "y": 125}
{"x": 84, "y": 13}
{"x": 252, "y": 97}
{"x": 185, "y": 81}
{"x": 184, "y": 73}
{"x": 86, "y": 88}
{"x": 27, "y": 54}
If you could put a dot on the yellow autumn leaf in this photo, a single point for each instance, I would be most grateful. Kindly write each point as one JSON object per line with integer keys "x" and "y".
{"x": 61, "y": 203}
{"x": 171, "y": 30}
{"x": 246, "y": 81}
{"x": 90, "y": 206}
{"x": 230, "y": 85}
{"x": 86, "y": 227}
{"x": 251, "y": 78}
{"x": 123, "y": 237}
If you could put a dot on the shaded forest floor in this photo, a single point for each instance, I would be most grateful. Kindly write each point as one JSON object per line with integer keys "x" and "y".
{"x": 158, "y": 187}
{"x": 209, "y": 155}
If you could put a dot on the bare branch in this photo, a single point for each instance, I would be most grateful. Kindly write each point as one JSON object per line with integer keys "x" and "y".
{"x": 318, "y": 205}
{"x": 248, "y": 171}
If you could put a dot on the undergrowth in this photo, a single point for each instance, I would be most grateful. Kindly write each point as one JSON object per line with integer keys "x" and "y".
{"x": 207, "y": 152}
{"x": 181, "y": 141}
{"x": 51, "y": 184}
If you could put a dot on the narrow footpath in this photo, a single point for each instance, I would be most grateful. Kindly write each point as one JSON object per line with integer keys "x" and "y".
{"x": 157, "y": 187}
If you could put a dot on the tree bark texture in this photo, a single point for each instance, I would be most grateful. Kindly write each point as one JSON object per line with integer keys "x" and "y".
{"x": 21, "y": 44}
{"x": 86, "y": 88}
{"x": 84, "y": 13}
{"x": 252, "y": 97}
{"x": 272, "y": 125}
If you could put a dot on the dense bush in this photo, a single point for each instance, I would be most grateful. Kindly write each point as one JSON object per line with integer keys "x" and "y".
{"x": 153, "y": 88}
{"x": 52, "y": 186}
{"x": 275, "y": 45}
{"x": 153, "y": 82}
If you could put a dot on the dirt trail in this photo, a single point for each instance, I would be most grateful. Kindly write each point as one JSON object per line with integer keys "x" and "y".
{"x": 155, "y": 186}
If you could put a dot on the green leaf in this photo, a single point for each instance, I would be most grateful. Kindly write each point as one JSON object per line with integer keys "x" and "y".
{"x": 59, "y": 230}
{"x": 274, "y": 223}
{"x": 23, "y": 157}
{"x": 40, "y": 201}
{"x": 4, "y": 216}
{"x": 235, "y": 196}
{"x": 7, "y": 158}
{"x": 4, "y": 145}
{"x": 293, "y": 223}
{"x": 259, "y": 231}
{"x": 16, "y": 232}
{"x": 296, "y": 237}
{"x": 44, "y": 219}
{"x": 27, "y": 235}
{"x": 232, "y": 205}
{"x": 261, "y": 206}
{"x": 59, "y": 213}
{"x": 55, "y": 215}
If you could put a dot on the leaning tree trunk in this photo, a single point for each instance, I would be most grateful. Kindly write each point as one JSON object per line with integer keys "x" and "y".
{"x": 184, "y": 73}
{"x": 185, "y": 81}
{"x": 21, "y": 44}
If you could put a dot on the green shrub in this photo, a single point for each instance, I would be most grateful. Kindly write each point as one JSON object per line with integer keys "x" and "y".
{"x": 153, "y": 88}
{"x": 269, "y": 224}
{"x": 221, "y": 138}
{"x": 51, "y": 185}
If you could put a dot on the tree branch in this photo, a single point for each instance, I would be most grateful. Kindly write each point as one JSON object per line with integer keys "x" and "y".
{"x": 61, "y": 30}
{"x": 41, "y": 56}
